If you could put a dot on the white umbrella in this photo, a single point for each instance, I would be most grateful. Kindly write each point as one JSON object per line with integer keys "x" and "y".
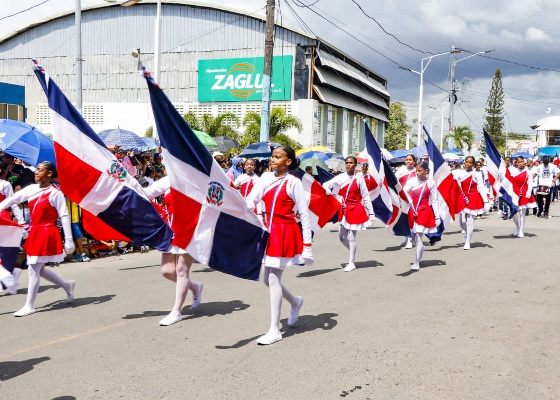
{"x": 385, "y": 152}
{"x": 450, "y": 157}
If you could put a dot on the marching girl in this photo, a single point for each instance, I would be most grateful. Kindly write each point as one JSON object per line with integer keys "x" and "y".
{"x": 246, "y": 181}
{"x": 474, "y": 198}
{"x": 523, "y": 181}
{"x": 46, "y": 204}
{"x": 287, "y": 244}
{"x": 403, "y": 174}
{"x": 371, "y": 184}
{"x": 9, "y": 279}
{"x": 356, "y": 205}
{"x": 176, "y": 262}
{"x": 422, "y": 217}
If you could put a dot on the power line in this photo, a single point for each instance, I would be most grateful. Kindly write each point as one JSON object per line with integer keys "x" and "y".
{"x": 22, "y": 11}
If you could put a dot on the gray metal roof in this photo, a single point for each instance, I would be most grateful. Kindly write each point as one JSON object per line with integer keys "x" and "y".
{"x": 341, "y": 100}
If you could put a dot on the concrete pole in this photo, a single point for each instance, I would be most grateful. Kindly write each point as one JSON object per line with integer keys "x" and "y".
{"x": 268, "y": 51}
{"x": 78, "y": 23}
{"x": 157, "y": 44}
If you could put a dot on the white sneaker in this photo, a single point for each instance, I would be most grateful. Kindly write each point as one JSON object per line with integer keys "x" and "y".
{"x": 467, "y": 246}
{"x": 350, "y": 267}
{"x": 15, "y": 273}
{"x": 196, "y": 298}
{"x": 171, "y": 319}
{"x": 294, "y": 313}
{"x": 9, "y": 281}
{"x": 25, "y": 310}
{"x": 408, "y": 243}
{"x": 70, "y": 297}
{"x": 415, "y": 267}
{"x": 520, "y": 235}
{"x": 269, "y": 338}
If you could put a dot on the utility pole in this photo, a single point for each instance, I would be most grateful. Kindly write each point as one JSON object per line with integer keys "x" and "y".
{"x": 452, "y": 94}
{"x": 268, "y": 50}
{"x": 78, "y": 23}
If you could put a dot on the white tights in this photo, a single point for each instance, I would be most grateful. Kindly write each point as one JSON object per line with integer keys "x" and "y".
{"x": 37, "y": 271}
{"x": 519, "y": 220}
{"x": 348, "y": 239}
{"x": 183, "y": 263}
{"x": 272, "y": 277}
{"x": 467, "y": 224}
{"x": 419, "y": 247}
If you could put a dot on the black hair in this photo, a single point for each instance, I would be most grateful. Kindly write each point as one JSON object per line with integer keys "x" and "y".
{"x": 291, "y": 155}
{"x": 424, "y": 165}
{"x": 365, "y": 165}
{"x": 473, "y": 160}
{"x": 545, "y": 159}
{"x": 252, "y": 160}
{"x": 49, "y": 166}
{"x": 1, "y": 166}
{"x": 308, "y": 168}
{"x": 520, "y": 157}
{"x": 353, "y": 158}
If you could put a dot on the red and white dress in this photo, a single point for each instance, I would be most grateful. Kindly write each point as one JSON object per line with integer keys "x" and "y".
{"x": 163, "y": 187}
{"x": 354, "y": 195}
{"x": 371, "y": 184}
{"x": 473, "y": 190}
{"x": 46, "y": 205}
{"x": 245, "y": 184}
{"x": 6, "y": 191}
{"x": 422, "y": 196}
{"x": 403, "y": 174}
{"x": 523, "y": 186}
{"x": 282, "y": 197}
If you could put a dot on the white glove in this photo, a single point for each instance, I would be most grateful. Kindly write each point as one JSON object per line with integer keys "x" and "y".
{"x": 25, "y": 234}
{"x": 438, "y": 220}
{"x": 328, "y": 191}
{"x": 372, "y": 218}
{"x": 307, "y": 255}
{"x": 528, "y": 195}
{"x": 69, "y": 246}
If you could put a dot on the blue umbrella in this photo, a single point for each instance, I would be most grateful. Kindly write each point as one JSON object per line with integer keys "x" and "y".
{"x": 313, "y": 154}
{"x": 523, "y": 154}
{"x": 452, "y": 150}
{"x": 400, "y": 153}
{"x": 419, "y": 151}
{"x": 150, "y": 143}
{"x": 259, "y": 149}
{"x": 25, "y": 142}
{"x": 127, "y": 140}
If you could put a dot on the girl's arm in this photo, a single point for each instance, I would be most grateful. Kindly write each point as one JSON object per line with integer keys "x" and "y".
{"x": 17, "y": 198}
{"x": 157, "y": 188}
{"x": 297, "y": 193}
{"x": 366, "y": 200}
{"x": 434, "y": 195}
{"x": 9, "y": 192}
{"x": 57, "y": 200}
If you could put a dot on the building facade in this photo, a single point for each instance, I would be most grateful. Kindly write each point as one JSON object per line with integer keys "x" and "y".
{"x": 211, "y": 63}
{"x": 12, "y": 102}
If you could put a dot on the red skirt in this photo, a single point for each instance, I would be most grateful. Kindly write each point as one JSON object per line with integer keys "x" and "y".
{"x": 285, "y": 240}
{"x": 355, "y": 214}
{"x": 528, "y": 202}
{"x": 425, "y": 218}
{"x": 475, "y": 201}
{"x": 4, "y": 214}
{"x": 43, "y": 240}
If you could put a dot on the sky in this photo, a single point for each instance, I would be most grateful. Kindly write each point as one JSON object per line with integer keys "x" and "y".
{"x": 523, "y": 34}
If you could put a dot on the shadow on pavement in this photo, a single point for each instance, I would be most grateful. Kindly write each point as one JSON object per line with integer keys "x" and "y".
{"x": 12, "y": 369}
{"x": 207, "y": 269}
{"x": 78, "y": 302}
{"x": 144, "y": 266}
{"x": 23, "y": 290}
{"x": 65, "y": 398}
{"x": 392, "y": 248}
{"x": 423, "y": 264}
{"x": 368, "y": 264}
{"x": 513, "y": 237}
{"x": 204, "y": 310}
{"x": 305, "y": 323}
{"x": 309, "y": 274}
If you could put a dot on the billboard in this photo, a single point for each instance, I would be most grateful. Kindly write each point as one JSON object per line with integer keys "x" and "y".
{"x": 240, "y": 79}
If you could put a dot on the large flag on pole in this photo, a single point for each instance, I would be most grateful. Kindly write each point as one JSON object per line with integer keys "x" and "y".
{"x": 90, "y": 175}
{"x": 322, "y": 206}
{"x": 499, "y": 176}
{"x": 389, "y": 201}
{"x": 211, "y": 220}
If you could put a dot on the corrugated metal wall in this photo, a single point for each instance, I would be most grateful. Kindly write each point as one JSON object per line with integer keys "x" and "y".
{"x": 109, "y": 34}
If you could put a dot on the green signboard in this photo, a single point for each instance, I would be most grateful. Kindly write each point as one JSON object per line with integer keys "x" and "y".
{"x": 240, "y": 79}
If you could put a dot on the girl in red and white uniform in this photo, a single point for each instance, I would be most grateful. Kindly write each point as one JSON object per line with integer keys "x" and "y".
{"x": 176, "y": 262}
{"x": 46, "y": 204}
{"x": 9, "y": 279}
{"x": 523, "y": 183}
{"x": 356, "y": 205}
{"x": 246, "y": 181}
{"x": 403, "y": 174}
{"x": 371, "y": 184}
{"x": 287, "y": 244}
{"x": 474, "y": 198}
{"x": 422, "y": 216}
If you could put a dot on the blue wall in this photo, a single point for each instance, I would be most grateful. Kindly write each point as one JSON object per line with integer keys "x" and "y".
{"x": 12, "y": 94}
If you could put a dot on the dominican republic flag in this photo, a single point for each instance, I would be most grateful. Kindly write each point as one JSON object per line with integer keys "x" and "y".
{"x": 325, "y": 176}
{"x": 211, "y": 220}
{"x": 389, "y": 201}
{"x": 113, "y": 204}
{"x": 448, "y": 188}
{"x": 499, "y": 176}
{"x": 322, "y": 206}
{"x": 10, "y": 241}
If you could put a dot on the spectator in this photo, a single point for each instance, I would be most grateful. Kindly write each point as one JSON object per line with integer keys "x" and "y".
{"x": 309, "y": 170}
{"x": 74, "y": 211}
{"x": 159, "y": 168}
{"x": 108, "y": 247}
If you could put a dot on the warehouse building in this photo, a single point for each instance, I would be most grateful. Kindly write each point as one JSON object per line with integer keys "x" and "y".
{"x": 211, "y": 63}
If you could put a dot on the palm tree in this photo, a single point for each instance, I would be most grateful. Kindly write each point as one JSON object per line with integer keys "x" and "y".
{"x": 222, "y": 125}
{"x": 462, "y": 137}
{"x": 280, "y": 122}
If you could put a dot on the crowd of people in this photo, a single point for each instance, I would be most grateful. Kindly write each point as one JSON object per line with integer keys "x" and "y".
{"x": 54, "y": 224}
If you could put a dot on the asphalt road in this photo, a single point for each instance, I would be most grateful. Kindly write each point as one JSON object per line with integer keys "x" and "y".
{"x": 477, "y": 324}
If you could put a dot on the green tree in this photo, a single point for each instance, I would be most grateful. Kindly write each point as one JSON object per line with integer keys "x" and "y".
{"x": 193, "y": 121}
{"x": 462, "y": 137}
{"x": 395, "y": 135}
{"x": 495, "y": 114}
{"x": 280, "y": 122}
{"x": 225, "y": 124}
{"x": 149, "y": 132}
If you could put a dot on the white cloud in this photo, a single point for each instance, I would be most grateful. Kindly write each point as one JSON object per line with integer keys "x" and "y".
{"x": 537, "y": 35}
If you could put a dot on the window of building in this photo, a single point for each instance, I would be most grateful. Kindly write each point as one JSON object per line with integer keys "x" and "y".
{"x": 553, "y": 138}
